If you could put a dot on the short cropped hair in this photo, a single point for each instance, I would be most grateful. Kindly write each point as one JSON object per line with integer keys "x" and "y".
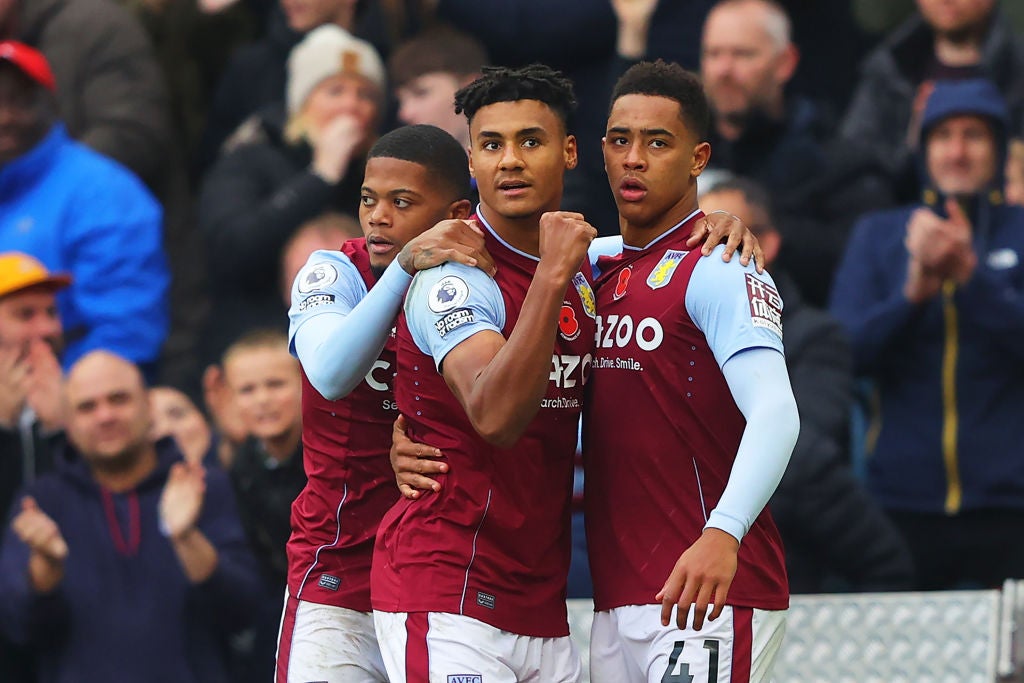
{"x": 668, "y": 79}
{"x": 434, "y": 149}
{"x": 533, "y": 82}
{"x": 438, "y": 49}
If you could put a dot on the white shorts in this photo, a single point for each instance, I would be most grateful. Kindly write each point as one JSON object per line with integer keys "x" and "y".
{"x": 629, "y": 645}
{"x": 323, "y": 643}
{"x": 434, "y": 647}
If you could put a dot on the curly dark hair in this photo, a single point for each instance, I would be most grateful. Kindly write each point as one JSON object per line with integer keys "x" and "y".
{"x": 668, "y": 79}
{"x": 533, "y": 82}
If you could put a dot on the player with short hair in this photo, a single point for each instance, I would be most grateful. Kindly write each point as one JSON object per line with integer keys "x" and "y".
{"x": 343, "y": 308}
{"x": 471, "y": 580}
{"x": 694, "y": 346}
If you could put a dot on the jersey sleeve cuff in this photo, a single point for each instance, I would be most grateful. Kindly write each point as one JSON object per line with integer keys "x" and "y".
{"x": 722, "y": 522}
{"x": 395, "y": 279}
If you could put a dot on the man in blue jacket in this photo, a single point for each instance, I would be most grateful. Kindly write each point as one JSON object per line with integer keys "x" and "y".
{"x": 932, "y": 296}
{"x": 79, "y": 212}
{"x": 127, "y": 564}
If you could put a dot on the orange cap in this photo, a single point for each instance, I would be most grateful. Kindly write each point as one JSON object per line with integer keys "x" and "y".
{"x": 20, "y": 271}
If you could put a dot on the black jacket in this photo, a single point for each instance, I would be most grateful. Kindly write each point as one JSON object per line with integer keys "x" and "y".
{"x": 835, "y": 534}
{"x": 252, "y": 201}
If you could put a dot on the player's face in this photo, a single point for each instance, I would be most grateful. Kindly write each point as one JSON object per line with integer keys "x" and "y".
{"x": 428, "y": 99}
{"x": 744, "y": 69}
{"x": 961, "y": 155}
{"x": 398, "y": 201}
{"x": 519, "y": 153}
{"x": 267, "y": 388}
{"x": 28, "y": 315}
{"x": 652, "y": 160}
{"x": 955, "y": 16}
{"x": 108, "y": 416}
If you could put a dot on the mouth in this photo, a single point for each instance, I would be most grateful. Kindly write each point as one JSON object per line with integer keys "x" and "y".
{"x": 513, "y": 188}
{"x": 378, "y": 245}
{"x": 632, "y": 189}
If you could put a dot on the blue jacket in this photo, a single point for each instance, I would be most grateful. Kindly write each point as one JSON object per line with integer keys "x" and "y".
{"x": 80, "y": 212}
{"x": 125, "y": 613}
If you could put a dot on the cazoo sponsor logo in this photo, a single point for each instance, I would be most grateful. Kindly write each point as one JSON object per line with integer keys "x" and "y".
{"x": 615, "y": 331}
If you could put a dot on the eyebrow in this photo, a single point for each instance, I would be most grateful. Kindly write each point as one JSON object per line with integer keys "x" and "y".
{"x": 525, "y": 132}
{"x": 661, "y": 132}
{"x": 392, "y": 193}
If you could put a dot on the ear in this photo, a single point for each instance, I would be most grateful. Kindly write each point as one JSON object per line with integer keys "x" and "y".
{"x": 461, "y": 209}
{"x": 571, "y": 153}
{"x": 789, "y": 59}
{"x": 469, "y": 158}
{"x": 701, "y": 157}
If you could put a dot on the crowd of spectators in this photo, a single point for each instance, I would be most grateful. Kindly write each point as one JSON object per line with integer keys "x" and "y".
{"x": 167, "y": 166}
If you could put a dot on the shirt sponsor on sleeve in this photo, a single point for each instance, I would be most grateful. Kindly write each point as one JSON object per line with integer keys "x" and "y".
{"x": 311, "y": 302}
{"x": 765, "y": 305}
{"x": 457, "y": 318}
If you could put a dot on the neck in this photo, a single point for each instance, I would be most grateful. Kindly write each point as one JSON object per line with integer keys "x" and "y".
{"x": 125, "y": 477}
{"x": 960, "y": 48}
{"x": 281, "y": 447}
{"x": 522, "y": 233}
{"x": 640, "y": 234}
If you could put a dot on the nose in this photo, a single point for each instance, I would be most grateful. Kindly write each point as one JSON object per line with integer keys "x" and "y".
{"x": 45, "y": 327}
{"x": 510, "y": 158}
{"x": 635, "y": 158}
{"x": 380, "y": 213}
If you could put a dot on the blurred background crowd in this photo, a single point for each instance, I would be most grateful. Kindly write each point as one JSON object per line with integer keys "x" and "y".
{"x": 167, "y": 166}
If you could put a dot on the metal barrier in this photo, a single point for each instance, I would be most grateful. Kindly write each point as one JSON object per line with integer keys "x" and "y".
{"x": 940, "y": 637}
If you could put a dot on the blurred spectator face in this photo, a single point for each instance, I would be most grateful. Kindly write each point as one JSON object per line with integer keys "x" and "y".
{"x": 960, "y": 154}
{"x": 1015, "y": 173}
{"x": 108, "y": 410}
{"x": 398, "y": 201}
{"x": 430, "y": 99}
{"x": 304, "y": 15}
{"x": 24, "y": 117}
{"x": 267, "y": 387}
{"x": 28, "y": 315}
{"x": 955, "y": 16}
{"x": 329, "y": 231}
{"x": 746, "y": 59}
{"x": 734, "y": 202}
{"x": 343, "y": 94}
{"x": 519, "y": 155}
{"x": 172, "y": 413}
{"x": 646, "y": 177}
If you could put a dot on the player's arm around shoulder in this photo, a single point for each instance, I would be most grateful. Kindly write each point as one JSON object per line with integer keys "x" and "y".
{"x": 335, "y": 329}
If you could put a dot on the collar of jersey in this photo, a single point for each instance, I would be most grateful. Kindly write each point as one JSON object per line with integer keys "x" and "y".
{"x": 480, "y": 215}
{"x": 626, "y": 247}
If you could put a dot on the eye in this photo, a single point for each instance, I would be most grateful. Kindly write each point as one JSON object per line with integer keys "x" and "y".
{"x": 491, "y": 146}
{"x": 367, "y": 200}
{"x": 402, "y": 203}
{"x": 531, "y": 143}
{"x": 658, "y": 144}
{"x": 618, "y": 140}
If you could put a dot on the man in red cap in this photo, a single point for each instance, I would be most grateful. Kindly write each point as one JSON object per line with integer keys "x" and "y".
{"x": 80, "y": 212}
{"x": 31, "y": 420}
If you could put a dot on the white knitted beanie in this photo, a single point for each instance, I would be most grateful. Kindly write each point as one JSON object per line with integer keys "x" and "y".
{"x": 325, "y": 51}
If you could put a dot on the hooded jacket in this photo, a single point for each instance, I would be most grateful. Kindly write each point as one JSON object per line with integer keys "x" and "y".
{"x": 949, "y": 372}
{"x": 125, "y": 610}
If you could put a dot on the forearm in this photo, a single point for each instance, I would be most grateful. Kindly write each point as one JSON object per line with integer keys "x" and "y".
{"x": 197, "y": 556}
{"x": 759, "y": 383}
{"x": 336, "y": 351}
{"x": 506, "y": 394}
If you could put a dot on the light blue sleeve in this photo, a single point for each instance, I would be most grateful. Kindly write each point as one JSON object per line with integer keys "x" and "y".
{"x": 603, "y": 246}
{"x": 449, "y": 304}
{"x": 759, "y": 382}
{"x": 336, "y": 328}
{"x": 734, "y": 306}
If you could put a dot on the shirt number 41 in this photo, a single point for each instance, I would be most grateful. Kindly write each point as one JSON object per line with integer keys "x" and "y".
{"x": 683, "y": 675}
